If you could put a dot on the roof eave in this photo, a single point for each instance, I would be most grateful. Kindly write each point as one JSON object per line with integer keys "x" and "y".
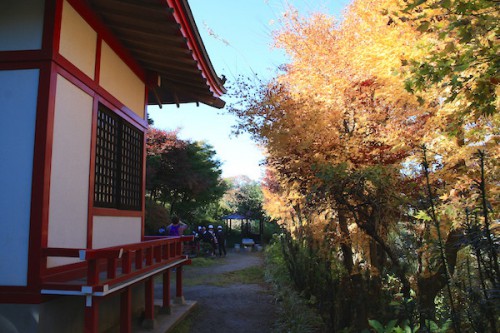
{"x": 184, "y": 16}
{"x": 166, "y": 44}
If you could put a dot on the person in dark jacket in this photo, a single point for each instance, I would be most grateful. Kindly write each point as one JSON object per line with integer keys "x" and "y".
{"x": 221, "y": 240}
{"x": 214, "y": 241}
{"x": 207, "y": 242}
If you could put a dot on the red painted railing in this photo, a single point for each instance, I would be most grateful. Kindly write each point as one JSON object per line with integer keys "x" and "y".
{"x": 108, "y": 267}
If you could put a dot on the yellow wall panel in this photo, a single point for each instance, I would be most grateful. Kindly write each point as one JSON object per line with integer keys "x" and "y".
{"x": 114, "y": 230}
{"x": 78, "y": 41}
{"x": 121, "y": 82}
{"x": 69, "y": 187}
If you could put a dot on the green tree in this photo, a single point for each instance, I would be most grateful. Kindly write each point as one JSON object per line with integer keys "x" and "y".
{"x": 183, "y": 175}
{"x": 463, "y": 60}
{"x": 245, "y": 197}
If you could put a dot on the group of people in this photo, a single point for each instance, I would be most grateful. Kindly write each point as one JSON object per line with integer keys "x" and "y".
{"x": 205, "y": 239}
{"x": 211, "y": 240}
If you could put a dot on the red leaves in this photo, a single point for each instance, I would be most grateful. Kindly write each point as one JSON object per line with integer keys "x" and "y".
{"x": 159, "y": 141}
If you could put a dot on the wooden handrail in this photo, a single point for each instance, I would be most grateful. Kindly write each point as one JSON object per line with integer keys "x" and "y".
{"x": 184, "y": 238}
{"x": 136, "y": 258}
{"x": 107, "y": 253}
{"x": 60, "y": 252}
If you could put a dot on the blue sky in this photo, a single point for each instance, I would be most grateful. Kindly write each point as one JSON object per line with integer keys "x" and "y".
{"x": 238, "y": 39}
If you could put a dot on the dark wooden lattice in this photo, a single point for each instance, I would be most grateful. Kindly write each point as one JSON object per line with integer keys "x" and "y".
{"x": 131, "y": 168}
{"x": 106, "y": 166}
{"x": 118, "y": 163}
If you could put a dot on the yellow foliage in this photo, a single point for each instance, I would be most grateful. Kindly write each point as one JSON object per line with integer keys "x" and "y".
{"x": 342, "y": 101}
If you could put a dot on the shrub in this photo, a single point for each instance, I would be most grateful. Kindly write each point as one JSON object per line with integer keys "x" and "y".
{"x": 156, "y": 216}
{"x": 295, "y": 314}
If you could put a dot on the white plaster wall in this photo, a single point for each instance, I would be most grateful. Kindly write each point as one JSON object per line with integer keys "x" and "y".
{"x": 21, "y": 24}
{"x": 114, "y": 230}
{"x": 69, "y": 186}
{"x": 121, "y": 82}
{"x": 18, "y": 101}
{"x": 78, "y": 41}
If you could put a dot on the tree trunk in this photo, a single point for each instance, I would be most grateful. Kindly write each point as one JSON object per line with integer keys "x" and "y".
{"x": 430, "y": 286}
{"x": 399, "y": 270}
{"x": 345, "y": 243}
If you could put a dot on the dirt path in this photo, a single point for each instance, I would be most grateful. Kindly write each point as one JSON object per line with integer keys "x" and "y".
{"x": 231, "y": 307}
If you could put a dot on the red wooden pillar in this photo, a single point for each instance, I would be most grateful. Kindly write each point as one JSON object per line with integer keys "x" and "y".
{"x": 178, "y": 285}
{"x": 166, "y": 292}
{"x": 91, "y": 315}
{"x": 149, "y": 310}
{"x": 126, "y": 311}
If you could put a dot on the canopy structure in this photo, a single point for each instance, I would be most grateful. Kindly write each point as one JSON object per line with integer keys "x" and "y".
{"x": 234, "y": 217}
{"x": 164, "y": 39}
{"x": 245, "y": 226}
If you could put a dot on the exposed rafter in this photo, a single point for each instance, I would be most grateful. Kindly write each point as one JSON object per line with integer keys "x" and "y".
{"x": 162, "y": 36}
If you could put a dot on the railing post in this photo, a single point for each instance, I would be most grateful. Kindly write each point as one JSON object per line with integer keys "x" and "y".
{"x": 164, "y": 250}
{"x": 111, "y": 268}
{"x": 149, "y": 256}
{"x": 126, "y": 263}
{"x": 157, "y": 253}
{"x": 178, "y": 251}
{"x": 138, "y": 259}
{"x": 92, "y": 272}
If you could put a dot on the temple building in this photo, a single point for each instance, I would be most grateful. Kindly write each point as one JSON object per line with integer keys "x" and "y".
{"x": 76, "y": 77}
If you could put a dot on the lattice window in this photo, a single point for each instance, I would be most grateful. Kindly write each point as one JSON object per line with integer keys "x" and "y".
{"x": 131, "y": 167}
{"x": 118, "y": 163}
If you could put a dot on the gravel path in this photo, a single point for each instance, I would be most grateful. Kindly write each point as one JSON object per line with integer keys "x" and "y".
{"x": 237, "y": 307}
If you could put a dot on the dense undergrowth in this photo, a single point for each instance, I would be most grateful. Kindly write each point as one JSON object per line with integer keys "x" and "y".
{"x": 295, "y": 313}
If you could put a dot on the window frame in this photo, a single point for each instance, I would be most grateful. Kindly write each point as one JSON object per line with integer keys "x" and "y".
{"x": 118, "y": 164}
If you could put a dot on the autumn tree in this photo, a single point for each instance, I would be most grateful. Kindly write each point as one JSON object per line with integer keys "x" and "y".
{"x": 461, "y": 70}
{"x": 313, "y": 117}
{"x": 344, "y": 138}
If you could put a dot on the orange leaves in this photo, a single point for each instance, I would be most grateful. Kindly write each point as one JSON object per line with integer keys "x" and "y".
{"x": 342, "y": 98}
{"x": 341, "y": 82}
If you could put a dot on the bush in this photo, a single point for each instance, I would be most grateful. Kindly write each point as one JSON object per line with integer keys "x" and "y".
{"x": 295, "y": 314}
{"x": 270, "y": 229}
{"x": 156, "y": 216}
